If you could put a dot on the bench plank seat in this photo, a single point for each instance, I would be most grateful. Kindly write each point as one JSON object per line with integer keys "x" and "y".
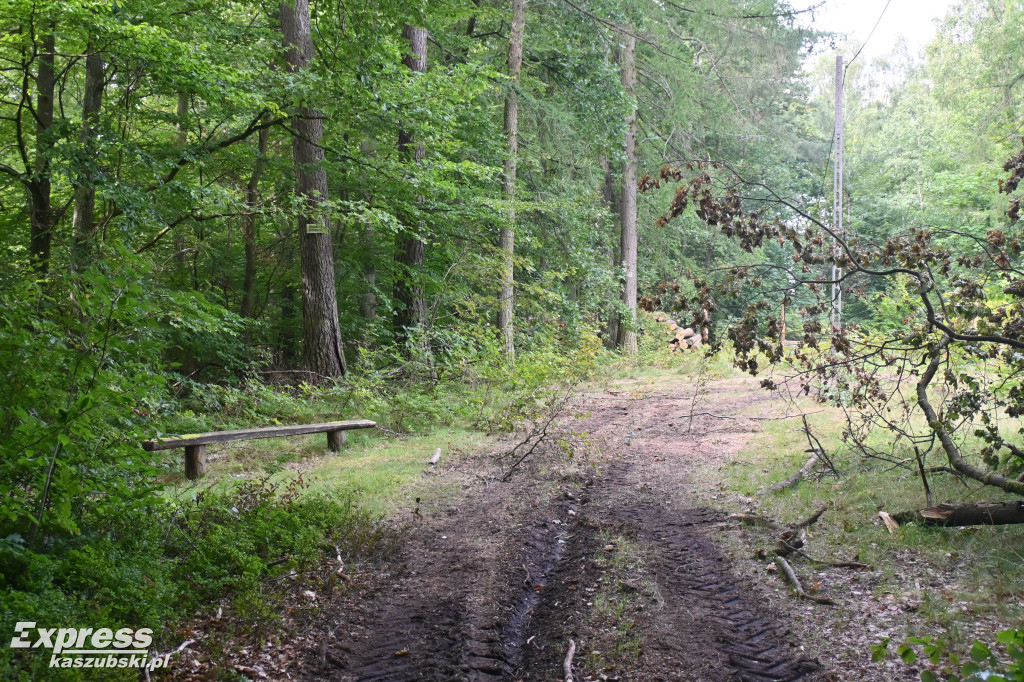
{"x": 195, "y": 443}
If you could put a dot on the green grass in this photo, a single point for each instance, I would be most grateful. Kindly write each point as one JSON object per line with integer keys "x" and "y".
{"x": 381, "y": 472}
{"x": 618, "y": 603}
{"x": 959, "y": 576}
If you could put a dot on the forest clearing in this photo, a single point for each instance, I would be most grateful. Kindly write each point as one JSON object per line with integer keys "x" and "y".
{"x": 512, "y": 340}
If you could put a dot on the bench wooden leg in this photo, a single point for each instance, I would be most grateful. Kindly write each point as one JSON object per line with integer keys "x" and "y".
{"x": 195, "y": 461}
{"x": 336, "y": 440}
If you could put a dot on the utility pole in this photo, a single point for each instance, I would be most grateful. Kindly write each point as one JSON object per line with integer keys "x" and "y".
{"x": 837, "y": 193}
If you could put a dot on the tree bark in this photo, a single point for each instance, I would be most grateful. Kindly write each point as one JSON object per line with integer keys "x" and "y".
{"x": 410, "y": 251}
{"x": 83, "y": 220}
{"x": 506, "y": 298}
{"x": 368, "y": 301}
{"x": 611, "y": 200}
{"x": 627, "y": 209}
{"x": 40, "y": 210}
{"x": 321, "y": 330}
{"x": 181, "y": 138}
{"x": 974, "y": 514}
{"x": 252, "y": 198}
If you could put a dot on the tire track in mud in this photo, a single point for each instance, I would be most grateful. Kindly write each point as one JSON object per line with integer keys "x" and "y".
{"x": 502, "y": 604}
{"x": 710, "y": 626}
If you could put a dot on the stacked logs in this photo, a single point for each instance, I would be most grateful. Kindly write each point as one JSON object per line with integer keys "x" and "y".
{"x": 680, "y": 339}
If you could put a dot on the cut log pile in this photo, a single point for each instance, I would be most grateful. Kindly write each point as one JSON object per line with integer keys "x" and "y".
{"x": 679, "y": 339}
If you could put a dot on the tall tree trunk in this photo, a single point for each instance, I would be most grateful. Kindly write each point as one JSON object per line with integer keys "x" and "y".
{"x": 627, "y": 208}
{"x": 83, "y": 219}
{"x": 252, "y": 197}
{"x": 181, "y": 138}
{"x": 611, "y": 201}
{"x": 410, "y": 251}
{"x": 321, "y": 331}
{"x": 368, "y": 301}
{"x": 40, "y": 210}
{"x": 506, "y": 299}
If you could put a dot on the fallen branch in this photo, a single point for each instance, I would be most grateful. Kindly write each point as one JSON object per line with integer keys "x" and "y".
{"x": 975, "y": 514}
{"x": 764, "y": 522}
{"x": 833, "y": 564}
{"x": 567, "y": 663}
{"x": 789, "y": 542}
{"x": 754, "y": 520}
{"x": 791, "y": 578}
{"x": 810, "y": 520}
{"x": 792, "y": 480}
{"x": 817, "y": 454}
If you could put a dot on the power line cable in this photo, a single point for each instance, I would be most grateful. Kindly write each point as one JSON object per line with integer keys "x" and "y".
{"x": 869, "y": 36}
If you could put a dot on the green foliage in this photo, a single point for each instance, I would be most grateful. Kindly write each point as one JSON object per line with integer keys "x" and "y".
{"x": 978, "y": 665}
{"x": 155, "y": 563}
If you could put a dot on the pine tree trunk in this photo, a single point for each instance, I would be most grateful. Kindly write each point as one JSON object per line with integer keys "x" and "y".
{"x": 506, "y": 298}
{"x": 40, "y": 211}
{"x": 627, "y": 208}
{"x": 410, "y": 251}
{"x": 252, "y": 198}
{"x": 321, "y": 331}
{"x": 83, "y": 219}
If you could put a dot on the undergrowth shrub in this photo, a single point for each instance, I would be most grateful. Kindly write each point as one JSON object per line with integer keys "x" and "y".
{"x": 158, "y": 564}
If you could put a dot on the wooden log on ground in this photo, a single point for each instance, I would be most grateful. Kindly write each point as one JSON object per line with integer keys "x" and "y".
{"x": 971, "y": 514}
{"x": 688, "y": 332}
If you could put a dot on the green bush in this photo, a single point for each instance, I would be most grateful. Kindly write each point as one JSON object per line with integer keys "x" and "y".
{"x": 158, "y": 564}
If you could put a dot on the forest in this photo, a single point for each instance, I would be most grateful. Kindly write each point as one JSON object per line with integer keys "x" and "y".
{"x": 587, "y": 254}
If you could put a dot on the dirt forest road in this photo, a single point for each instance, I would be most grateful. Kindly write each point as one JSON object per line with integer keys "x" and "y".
{"x": 495, "y": 585}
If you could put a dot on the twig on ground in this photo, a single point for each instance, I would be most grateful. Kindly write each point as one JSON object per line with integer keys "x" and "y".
{"x": 833, "y": 564}
{"x": 924, "y": 477}
{"x": 817, "y": 448}
{"x": 791, "y": 578}
{"x": 792, "y": 480}
{"x": 567, "y": 663}
{"x": 810, "y": 520}
{"x": 754, "y": 520}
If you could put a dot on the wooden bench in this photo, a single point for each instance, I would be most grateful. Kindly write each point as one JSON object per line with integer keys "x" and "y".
{"x": 195, "y": 444}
